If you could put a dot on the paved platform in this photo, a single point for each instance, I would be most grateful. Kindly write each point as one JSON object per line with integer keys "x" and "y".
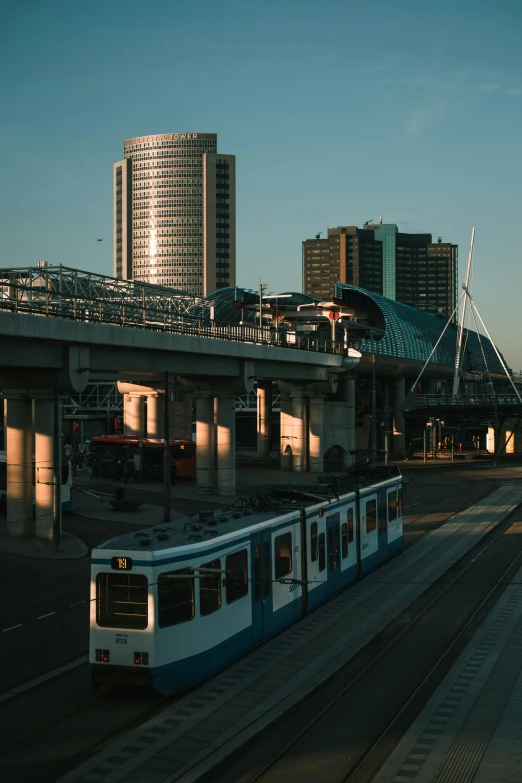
{"x": 210, "y": 723}
{"x": 471, "y": 728}
{"x": 251, "y": 476}
{"x": 69, "y": 548}
{"x": 96, "y": 505}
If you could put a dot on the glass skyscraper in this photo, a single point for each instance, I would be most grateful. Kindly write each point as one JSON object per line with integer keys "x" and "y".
{"x": 175, "y": 212}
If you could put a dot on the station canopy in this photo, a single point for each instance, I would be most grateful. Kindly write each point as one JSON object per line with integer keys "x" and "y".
{"x": 380, "y": 325}
{"x": 410, "y": 334}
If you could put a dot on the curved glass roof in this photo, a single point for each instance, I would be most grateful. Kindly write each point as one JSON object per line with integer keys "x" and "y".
{"x": 408, "y": 333}
{"x": 411, "y": 334}
{"x": 225, "y": 311}
{"x": 228, "y": 311}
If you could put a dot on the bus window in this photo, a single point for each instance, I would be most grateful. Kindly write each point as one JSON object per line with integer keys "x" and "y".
{"x": 183, "y": 450}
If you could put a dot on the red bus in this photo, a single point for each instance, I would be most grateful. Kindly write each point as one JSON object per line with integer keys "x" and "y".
{"x": 128, "y": 458}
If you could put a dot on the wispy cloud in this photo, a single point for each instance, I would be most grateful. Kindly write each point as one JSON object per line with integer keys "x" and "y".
{"x": 425, "y": 117}
{"x": 440, "y": 90}
{"x": 486, "y": 87}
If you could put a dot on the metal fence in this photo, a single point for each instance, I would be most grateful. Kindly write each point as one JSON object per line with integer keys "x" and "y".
{"x": 437, "y": 401}
{"x": 63, "y": 292}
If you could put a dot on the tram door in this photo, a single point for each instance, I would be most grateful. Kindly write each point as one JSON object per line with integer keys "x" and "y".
{"x": 334, "y": 553}
{"x": 383, "y": 527}
{"x": 261, "y": 587}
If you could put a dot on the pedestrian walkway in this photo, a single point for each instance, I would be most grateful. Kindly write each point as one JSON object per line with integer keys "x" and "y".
{"x": 251, "y": 477}
{"x": 96, "y": 505}
{"x": 471, "y": 729}
{"x": 204, "y": 727}
{"x": 69, "y": 547}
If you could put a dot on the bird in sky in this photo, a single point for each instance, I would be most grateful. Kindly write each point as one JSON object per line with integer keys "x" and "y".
{"x": 99, "y": 239}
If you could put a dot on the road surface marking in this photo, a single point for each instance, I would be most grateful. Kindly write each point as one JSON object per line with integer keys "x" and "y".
{"x": 45, "y": 615}
{"x": 11, "y": 628}
{"x": 19, "y": 689}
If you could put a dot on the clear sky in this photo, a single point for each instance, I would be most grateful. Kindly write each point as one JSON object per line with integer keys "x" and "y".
{"x": 338, "y": 111}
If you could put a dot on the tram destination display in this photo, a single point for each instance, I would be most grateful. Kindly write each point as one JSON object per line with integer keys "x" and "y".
{"x": 121, "y": 563}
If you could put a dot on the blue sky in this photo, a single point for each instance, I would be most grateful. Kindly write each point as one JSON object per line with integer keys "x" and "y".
{"x": 337, "y": 112}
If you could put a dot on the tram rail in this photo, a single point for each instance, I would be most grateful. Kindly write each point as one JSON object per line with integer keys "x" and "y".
{"x": 345, "y": 730}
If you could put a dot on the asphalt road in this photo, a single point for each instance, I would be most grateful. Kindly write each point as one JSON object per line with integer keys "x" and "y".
{"x": 44, "y": 624}
{"x": 44, "y": 611}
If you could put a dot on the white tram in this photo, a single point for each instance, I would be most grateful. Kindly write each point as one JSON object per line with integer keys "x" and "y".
{"x": 173, "y": 605}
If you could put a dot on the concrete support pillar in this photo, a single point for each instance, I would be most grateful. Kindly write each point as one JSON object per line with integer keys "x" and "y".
{"x": 155, "y": 416}
{"x": 19, "y": 452}
{"x": 285, "y": 427}
{"x": 44, "y": 468}
{"x": 134, "y": 415}
{"x": 399, "y": 426}
{"x": 316, "y": 434}
{"x": 263, "y": 421}
{"x": 180, "y": 418}
{"x": 299, "y": 425}
{"x": 226, "y": 445}
{"x": 205, "y": 443}
{"x": 348, "y": 389}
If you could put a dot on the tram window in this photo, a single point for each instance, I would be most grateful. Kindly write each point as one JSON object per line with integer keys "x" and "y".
{"x": 322, "y": 554}
{"x": 236, "y": 566}
{"x": 392, "y": 506}
{"x": 344, "y": 540}
{"x": 371, "y": 516}
{"x": 283, "y": 555}
{"x": 175, "y": 597}
{"x": 122, "y": 601}
{"x": 210, "y": 589}
{"x": 382, "y": 511}
{"x": 349, "y": 519}
{"x": 257, "y": 573}
{"x": 314, "y": 552}
{"x": 266, "y": 569}
{"x": 399, "y": 501}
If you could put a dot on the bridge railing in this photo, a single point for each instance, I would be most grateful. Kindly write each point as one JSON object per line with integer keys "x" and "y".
{"x": 14, "y": 297}
{"x": 462, "y": 400}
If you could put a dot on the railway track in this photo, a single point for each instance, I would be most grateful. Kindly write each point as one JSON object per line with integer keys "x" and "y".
{"x": 346, "y": 729}
{"x": 53, "y": 728}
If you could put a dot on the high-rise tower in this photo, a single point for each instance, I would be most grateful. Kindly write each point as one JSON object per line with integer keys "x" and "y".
{"x": 409, "y": 268}
{"x": 175, "y": 212}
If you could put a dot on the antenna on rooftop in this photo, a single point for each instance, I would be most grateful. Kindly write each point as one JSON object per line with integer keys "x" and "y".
{"x": 318, "y": 236}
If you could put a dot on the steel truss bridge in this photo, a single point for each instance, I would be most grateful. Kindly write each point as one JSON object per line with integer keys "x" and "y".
{"x": 463, "y": 403}
{"x": 63, "y": 292}
{"x": 103, "y": 398}
{"x": 84, "y": 296}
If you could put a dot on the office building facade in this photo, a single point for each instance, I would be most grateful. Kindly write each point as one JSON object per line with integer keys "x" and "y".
{"x": 175, "y": 213}
{"x": 409, "y": 268}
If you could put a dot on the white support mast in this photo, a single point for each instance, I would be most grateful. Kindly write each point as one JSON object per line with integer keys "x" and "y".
{"x": 460, "y": 330}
